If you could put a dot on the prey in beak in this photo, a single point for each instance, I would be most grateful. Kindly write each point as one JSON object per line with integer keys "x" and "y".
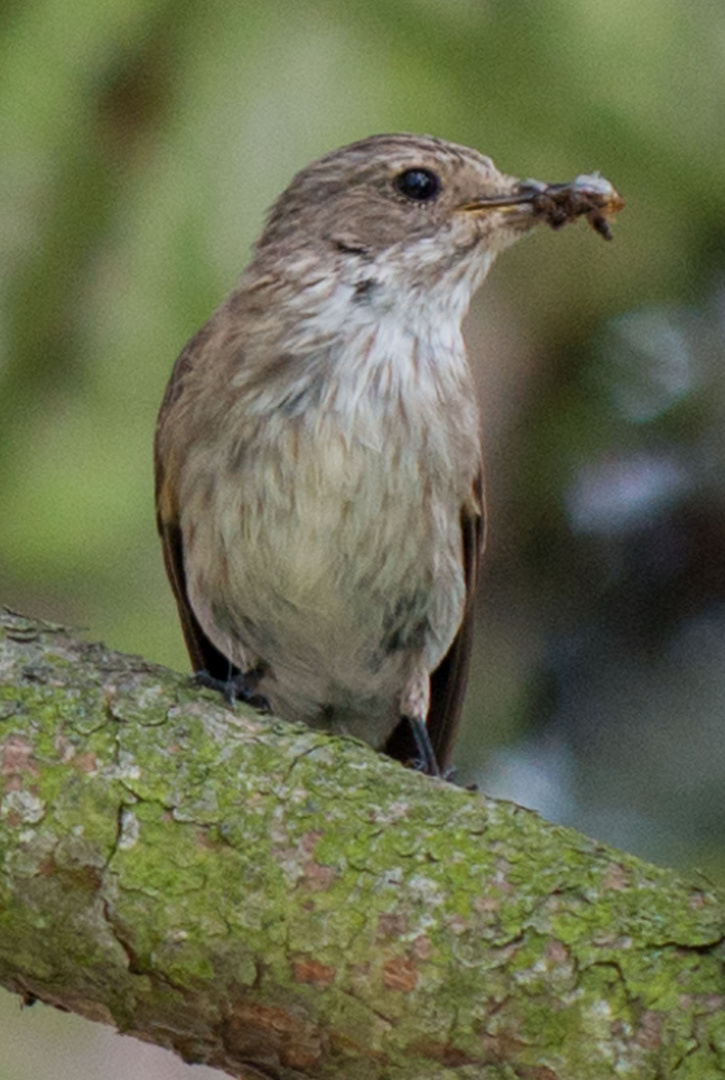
{"x": 589, "y": 196}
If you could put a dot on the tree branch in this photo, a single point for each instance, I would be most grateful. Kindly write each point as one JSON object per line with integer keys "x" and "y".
{"x": 259, "y": 897}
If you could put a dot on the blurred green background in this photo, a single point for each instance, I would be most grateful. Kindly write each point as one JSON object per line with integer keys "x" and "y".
{"x": 142, "y": 142}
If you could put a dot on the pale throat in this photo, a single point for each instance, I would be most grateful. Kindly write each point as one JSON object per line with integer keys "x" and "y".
{"x": 378, "y": 341}
{"x": 401, "y": 337}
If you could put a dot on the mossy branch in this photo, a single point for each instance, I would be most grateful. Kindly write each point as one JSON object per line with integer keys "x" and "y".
{"x": 276, "y": 903}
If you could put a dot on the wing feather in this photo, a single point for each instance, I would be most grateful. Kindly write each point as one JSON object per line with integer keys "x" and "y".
{"x": 203, "y": 654}
{"x": 448, "y": 681}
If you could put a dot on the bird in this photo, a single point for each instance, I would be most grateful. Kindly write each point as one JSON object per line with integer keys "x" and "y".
{"x": 318, "y": 465}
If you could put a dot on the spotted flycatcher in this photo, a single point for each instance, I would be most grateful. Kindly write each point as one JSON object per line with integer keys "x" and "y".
{"x": 318, "y": 464}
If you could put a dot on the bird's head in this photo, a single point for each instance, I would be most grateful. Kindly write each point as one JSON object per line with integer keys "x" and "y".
{"x": 408, "y": 214}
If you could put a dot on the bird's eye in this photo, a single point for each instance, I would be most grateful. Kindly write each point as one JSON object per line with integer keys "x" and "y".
{"x": 419, "y": 184}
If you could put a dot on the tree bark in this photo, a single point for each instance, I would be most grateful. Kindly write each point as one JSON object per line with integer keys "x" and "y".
{"x": 262, "y": 898}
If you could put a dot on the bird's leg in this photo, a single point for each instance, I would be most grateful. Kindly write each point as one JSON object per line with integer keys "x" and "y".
{"x": 238, "y": 686}
{"x": 414, "y": 707}
{"x": 425, "y": 759}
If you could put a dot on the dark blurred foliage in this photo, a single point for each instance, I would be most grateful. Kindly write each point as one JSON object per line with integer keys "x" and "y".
{"x": 142, "y": 143}
{"x": 622, "y": 575}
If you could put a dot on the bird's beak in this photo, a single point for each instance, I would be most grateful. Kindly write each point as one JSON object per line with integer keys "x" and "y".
{"x": 530, "y": 201}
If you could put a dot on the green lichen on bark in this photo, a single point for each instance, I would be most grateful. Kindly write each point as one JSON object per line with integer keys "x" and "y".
{"x": 280, "y": 904}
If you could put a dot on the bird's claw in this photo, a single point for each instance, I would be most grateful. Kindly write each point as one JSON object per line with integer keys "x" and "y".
{"x": 237, "y": 687}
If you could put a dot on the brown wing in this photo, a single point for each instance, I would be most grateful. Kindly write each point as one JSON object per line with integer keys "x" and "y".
{"x": 203, "y": 654}
{"x": 448, "y": 681}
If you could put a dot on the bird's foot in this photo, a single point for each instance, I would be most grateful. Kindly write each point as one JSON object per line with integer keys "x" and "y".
{"x": 238, "y": 687}
{"x": 450, "y": 775}
{"x": 409, "y": 743}
{"x": 424, "y": 760}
